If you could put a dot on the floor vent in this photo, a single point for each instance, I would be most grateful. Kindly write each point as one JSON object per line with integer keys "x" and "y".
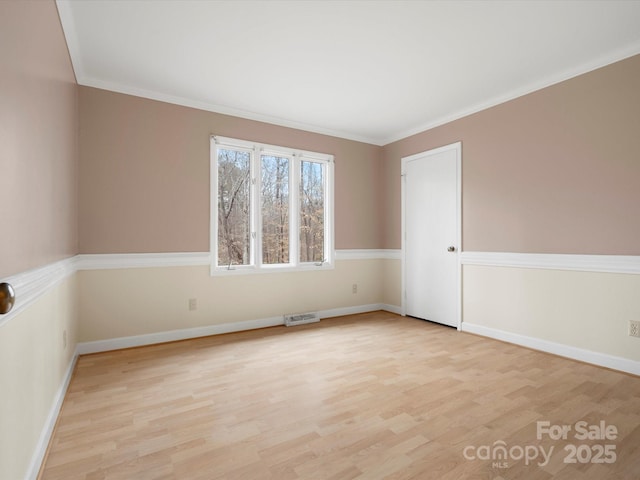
{"x": 300, "y": 319}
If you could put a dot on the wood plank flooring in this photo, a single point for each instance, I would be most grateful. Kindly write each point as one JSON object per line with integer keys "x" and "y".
{"x": 371, "y": 396}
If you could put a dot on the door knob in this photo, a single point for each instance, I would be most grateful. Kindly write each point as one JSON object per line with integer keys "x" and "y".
{"x": 7, "y": 298}
{"x": 451, "y": 249}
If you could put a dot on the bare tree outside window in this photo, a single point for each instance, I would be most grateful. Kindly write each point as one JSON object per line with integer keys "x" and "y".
{"x": 234, "y": 203}
{"x": 275, "y": 209}
{"x": 311, "y": 212}
{"x": 272, "y": 208}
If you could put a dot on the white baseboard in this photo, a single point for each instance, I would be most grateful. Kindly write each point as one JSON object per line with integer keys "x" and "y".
{"x": 588, "y": 356}
{"x": 391, "y": 308}
{"x": 186, "y": 333}
{"x": 339, "y": 312}
{"x": 148, "y": 339}
{"x": 174, "y": 335}
{"x": 47, "y": 430}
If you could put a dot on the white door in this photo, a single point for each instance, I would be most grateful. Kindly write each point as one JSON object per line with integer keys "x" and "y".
{"x": 431, "y": 236}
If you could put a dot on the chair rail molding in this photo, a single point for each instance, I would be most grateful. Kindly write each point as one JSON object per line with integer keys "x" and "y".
{"x": 32, "y": 284}
{"x": 629, "y": 264}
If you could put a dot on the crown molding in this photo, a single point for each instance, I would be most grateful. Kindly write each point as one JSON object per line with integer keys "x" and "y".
{"x": 600, "y": 62}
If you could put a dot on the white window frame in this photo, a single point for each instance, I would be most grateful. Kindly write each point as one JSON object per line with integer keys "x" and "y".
{"x": 295, "y": 156}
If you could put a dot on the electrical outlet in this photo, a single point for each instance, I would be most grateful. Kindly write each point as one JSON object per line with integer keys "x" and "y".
{"x": 193, "y": 304}
{"x": 354, "y": 288}
{"x": 634, "y": 328}
{"x": 64, "y": 340}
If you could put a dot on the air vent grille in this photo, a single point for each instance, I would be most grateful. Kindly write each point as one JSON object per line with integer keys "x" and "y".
{"x": 300, "y": 319}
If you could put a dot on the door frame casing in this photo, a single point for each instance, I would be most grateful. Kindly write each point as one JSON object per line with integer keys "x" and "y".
{"x": 457, "y": 146}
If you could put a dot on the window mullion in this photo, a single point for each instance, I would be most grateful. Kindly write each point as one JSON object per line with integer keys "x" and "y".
{"x": 256, "y": 221}
{"x": 328, "y": 210}
{"x": 294, "y": 209}
{"x": 213, "y": 227}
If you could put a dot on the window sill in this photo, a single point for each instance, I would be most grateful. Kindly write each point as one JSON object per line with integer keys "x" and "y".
{"x": 250, "y": 270}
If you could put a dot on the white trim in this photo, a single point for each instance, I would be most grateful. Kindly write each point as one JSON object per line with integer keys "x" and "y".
{"x": 377, "y": 141}
{"x": 220, "y": 109}
{"x": 187, "y": 333}
{"x": 32, "y": 284}
{"x": 174, "y": 335}
{"x": 47, "y": 430}
{"x": 342, "y": 311}
{"x": 110, "y": 261}
{"x": 457, "y": 146}
{"x": 582, "y": 263}
{"x": 68, "y": 25}
{"x": 459, "y": 232}
{"x": 588, "y": 356}
{"x": 391, "y": 308}
{"x": 266, "y": 148}
{"x": 266, "y": 269}
{"x": 295, "y": 157}
{"x": 67, "y": 21}
{"x": 141, "y": 260}
{"x": 603, "y": 61}
{"x": 369, "y": 254}
{"x": 617, "y": 56}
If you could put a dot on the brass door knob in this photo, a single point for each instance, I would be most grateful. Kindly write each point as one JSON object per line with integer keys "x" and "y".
{"x": 7, "y": 298}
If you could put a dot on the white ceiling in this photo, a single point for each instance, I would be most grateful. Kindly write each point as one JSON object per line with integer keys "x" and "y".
{"x": 374, "y": 71}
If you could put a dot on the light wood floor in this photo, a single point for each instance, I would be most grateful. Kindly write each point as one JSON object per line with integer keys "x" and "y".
{"x": 372, "y": 396}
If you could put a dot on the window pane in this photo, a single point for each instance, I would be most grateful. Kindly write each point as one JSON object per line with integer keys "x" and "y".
{"x": 275, "y": 209}
{"x": 234, "y": 224}
{"x": 311, "y": 212}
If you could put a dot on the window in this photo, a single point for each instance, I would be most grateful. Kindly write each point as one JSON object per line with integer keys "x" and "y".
{"x": 271, "y": 208}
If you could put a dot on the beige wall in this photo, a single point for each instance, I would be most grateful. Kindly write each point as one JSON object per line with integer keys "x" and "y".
{"x": 127, "y": 302}
{"x": 38, "y": 133}
{"x": 587, "y": 310}
{"x": 38, "y": 212}
{"x": 144, "y": 175}
{"x": 555, "y": 171}
{"x": 391, "y": 282}
{"x": 144, "y": 188}
{"x": 33, "y": 365}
